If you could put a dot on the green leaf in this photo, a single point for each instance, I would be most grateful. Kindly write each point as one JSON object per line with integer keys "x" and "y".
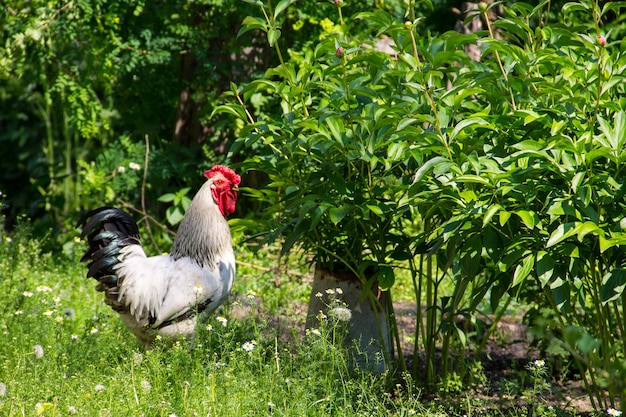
{"x": 272, "y": 36}
{"x": 613, "y": 284}
{"x": 472, "y": 122}
{"x": 545, "y": 267}
{"x": 251, "y": 23}
{"x": 167, "y": 198}
{"x": 562, "y": 232}
{"x": 375, "y": 209}
{"x": 504, "y": 217}
{"x": 529, "y": 218}
{"x": 491, "y": 211}
{"x": 523, "y": 269}
{"x": 428, "y": 165}
{"x": 385, "y": 277}
{"x": 338, "y": 213}
{"x": 281, "y": 6}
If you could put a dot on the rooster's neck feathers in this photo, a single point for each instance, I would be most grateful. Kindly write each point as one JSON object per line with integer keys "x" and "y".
{"x": 203, "y": 234}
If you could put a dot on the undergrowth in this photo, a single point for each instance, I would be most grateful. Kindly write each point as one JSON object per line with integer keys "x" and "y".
{"x": 64, "y": 352}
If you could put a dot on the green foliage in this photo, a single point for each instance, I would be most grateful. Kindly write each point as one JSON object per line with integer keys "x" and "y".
{"x": 496, "y": 180}
{"x": 64, "y": 352}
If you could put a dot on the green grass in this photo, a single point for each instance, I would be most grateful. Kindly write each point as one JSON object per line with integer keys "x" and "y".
{"x": 92, "y": 366}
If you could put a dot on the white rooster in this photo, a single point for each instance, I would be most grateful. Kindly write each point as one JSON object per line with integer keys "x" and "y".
{"x": 164, "y": 295}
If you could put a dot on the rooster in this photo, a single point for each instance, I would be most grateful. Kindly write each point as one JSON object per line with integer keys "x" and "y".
{"x": 164, "y": 295}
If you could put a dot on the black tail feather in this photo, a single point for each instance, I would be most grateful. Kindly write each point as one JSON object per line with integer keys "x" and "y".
{"x": 107, "y": 230}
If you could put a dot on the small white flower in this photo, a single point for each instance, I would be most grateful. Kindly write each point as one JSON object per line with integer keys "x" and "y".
{"x": 3, "y": 389}
{"x": 613, "y": 412}
{"x": 222, "y": 320}
{"x": 338, "y": 290}
{"x": 197, "y": 290}
{"x": 44, "y": 288}
{"x": 342, "y": 313}
{"x": 321, "y": 316}
{"x": 134, "y": 166}
{"x": 539, "y": 363}
{"x": 8, "y": 239}
{"x": 38, "y": 351}
{"x": 249, "y": 346}
{"x": 48, "y": 313}
{"x": 74, "y": 336}
{"x": 330, "y": 291}
{"x": 145, "y": 385}
{"x": 71, "y": 410}
{"x": 99, "y": 387}
{"x": 172, "y": 415}
{"x": 318, "y": 294}
{"x": 316, "y": 332}
{"x": 137, "y": 358}
{"x": 19, "y": 312}
{"x": 251, "y": 294}
{"x": 209, "y": 327}
{"x": 121, "y": 169}
{"x": 93, "y": 330}
{"x": 27, "y": 294}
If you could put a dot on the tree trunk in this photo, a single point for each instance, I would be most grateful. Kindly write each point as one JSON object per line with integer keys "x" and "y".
{"x": 368, "y": 331}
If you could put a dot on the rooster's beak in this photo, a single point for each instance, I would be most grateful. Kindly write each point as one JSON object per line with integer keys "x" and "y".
{"x": 234, "y": 188}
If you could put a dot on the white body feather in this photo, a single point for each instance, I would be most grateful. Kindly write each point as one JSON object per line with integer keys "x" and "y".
{"x": 163, "y": 293}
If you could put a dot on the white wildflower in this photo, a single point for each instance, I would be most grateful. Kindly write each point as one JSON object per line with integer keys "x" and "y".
{"x": 48, "y": 313}
{"x": 330, "y": 291}
{"x": 316, "y": 332}
{"x": 222, "y": 320}
{"x": 137, "y": 358}
{"x": 613, "y": 412}
{"x": 71, "y": 410}
{"x": 145, "y": 385}
{"x": 44, "y": 288}
{"x": 338, "y": 290}
{"x": 251, "y": 294}
{"x": 209, "y": 327}
{"x": 321, "y": 316}
{"x": 19, "y": 312}
{"x": 8, "y": 239}
{"x": 539, "y": 363}
{"x": 38, "y": 351}
{"x": 342, "y": 313}
{"x": 197, "y": 290}
{"x": 93, "y": 330}
{"x": 318, "y": 294}
{"x": 249, "y": 346}
{"x": 74, "y": 336}
{"x": 99, "y": 387}
{"x": 134, "y": 166}
{"x": 121, "y": 169}
{"x": 27, "y": 294}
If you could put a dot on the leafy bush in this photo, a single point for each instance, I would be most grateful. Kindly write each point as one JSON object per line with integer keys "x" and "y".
{"x": 499, "y": 179}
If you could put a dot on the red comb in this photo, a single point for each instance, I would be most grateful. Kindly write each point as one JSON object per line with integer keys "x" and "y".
{"x": 228, "y": 173}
